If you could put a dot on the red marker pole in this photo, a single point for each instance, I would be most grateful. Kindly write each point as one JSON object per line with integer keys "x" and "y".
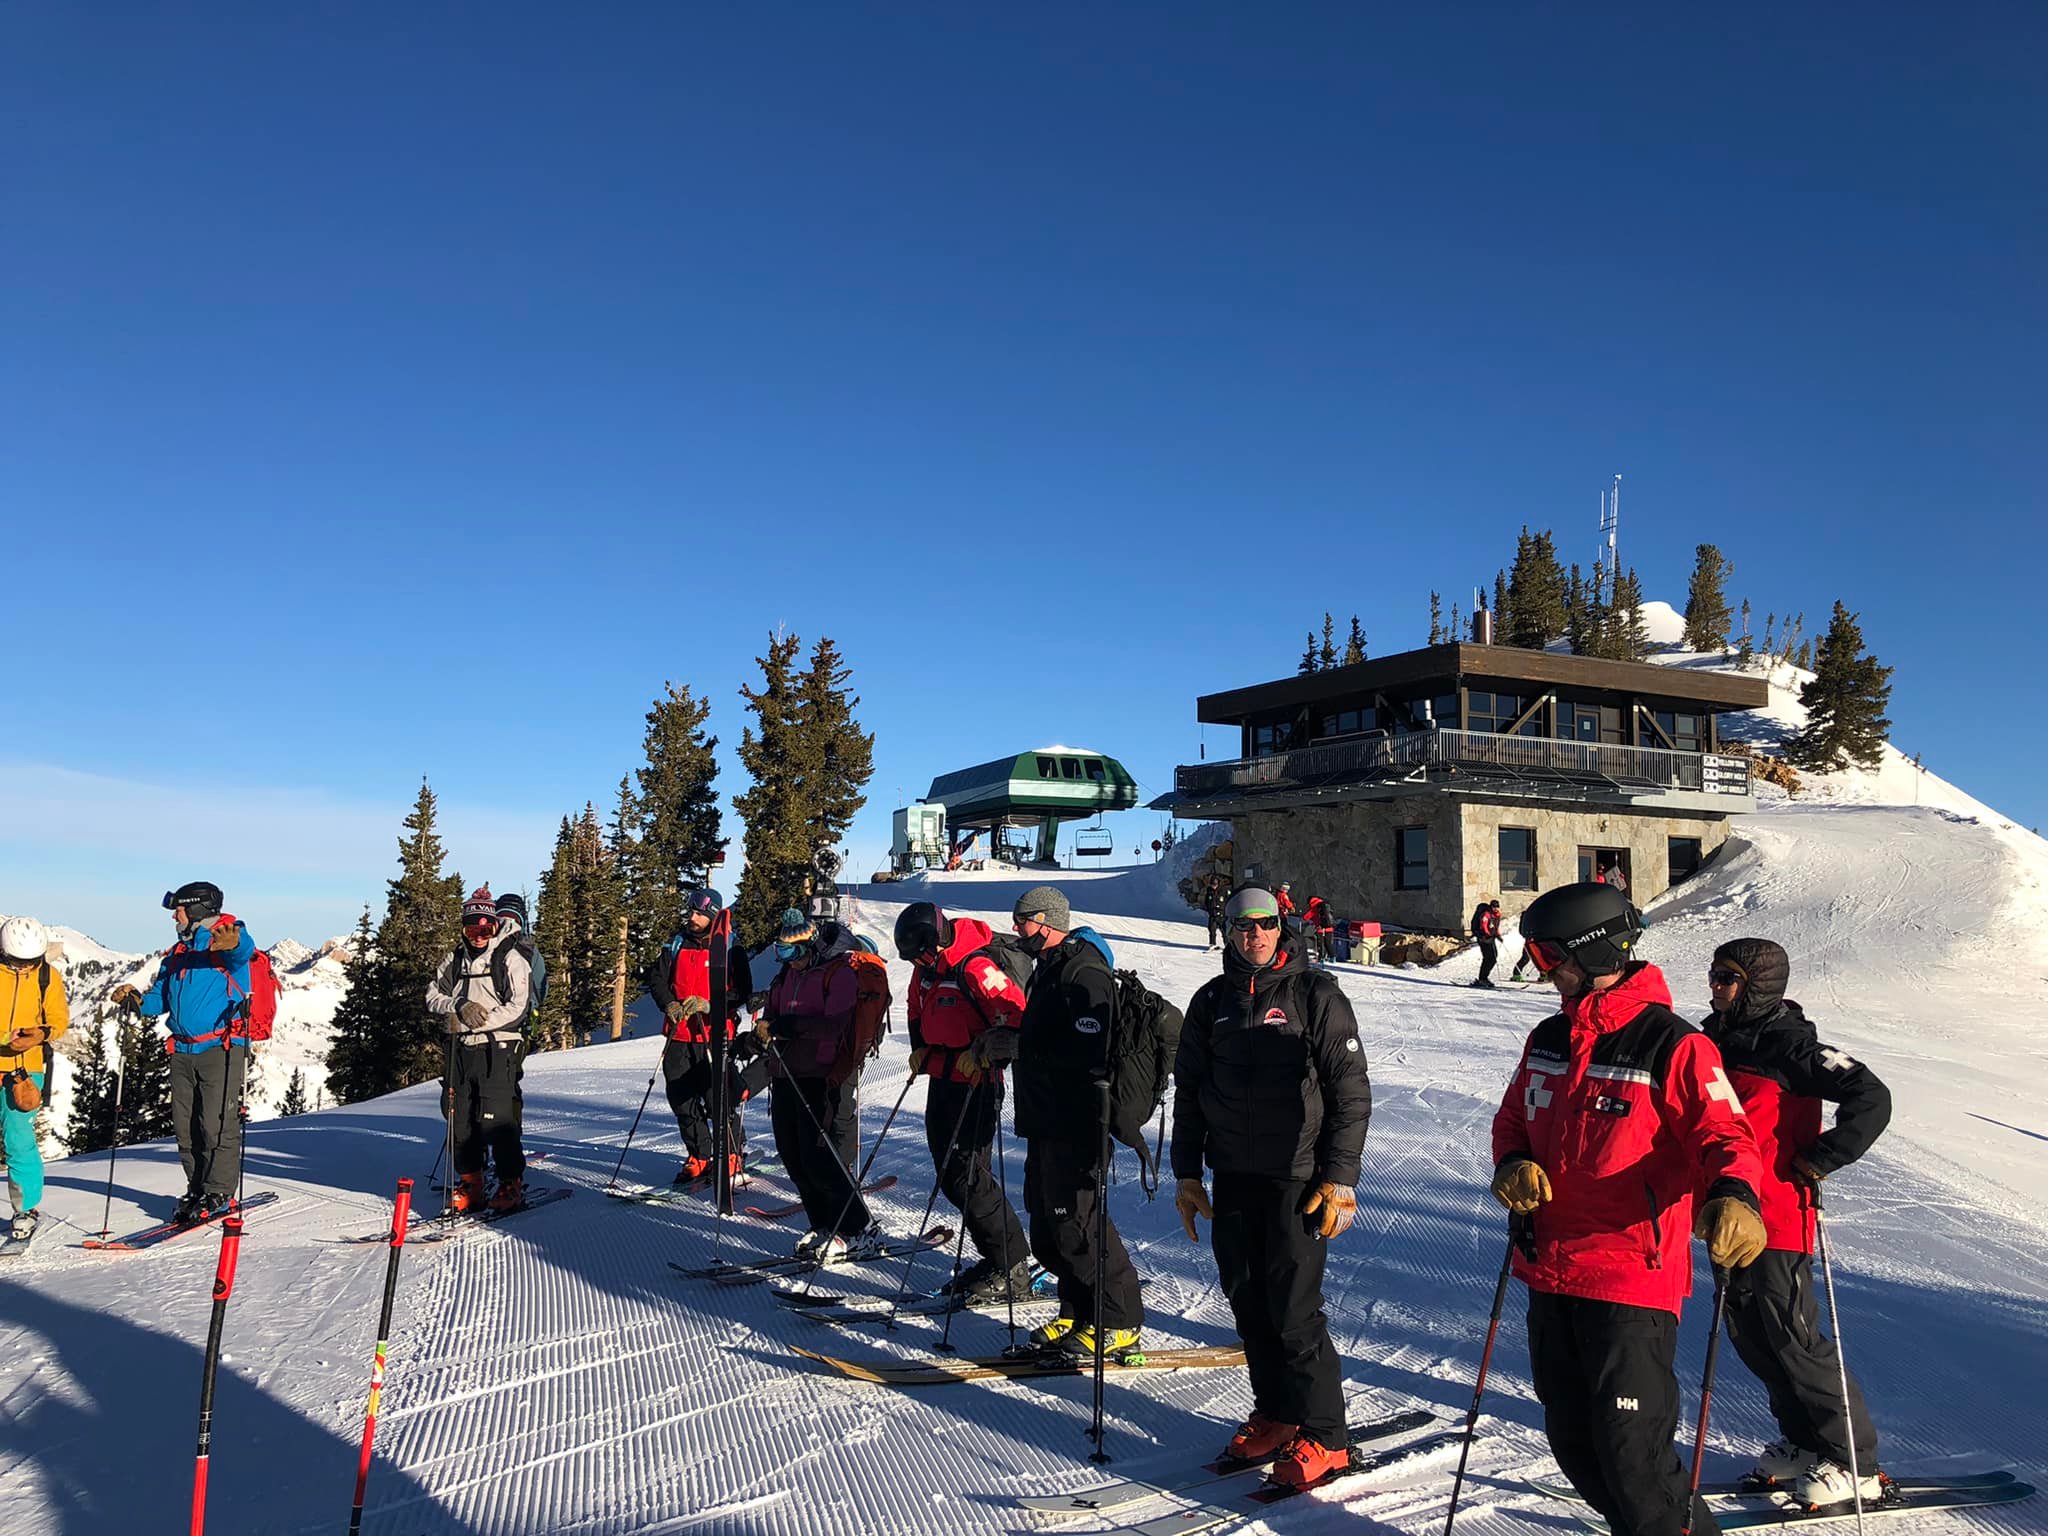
{"x": 401, "y": 1216}
{"x": 223, "y": 1287}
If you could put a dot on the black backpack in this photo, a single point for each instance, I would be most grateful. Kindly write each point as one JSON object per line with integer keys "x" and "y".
{"x": 1142, "y": 1046}
{"x": 1016, "y": 961}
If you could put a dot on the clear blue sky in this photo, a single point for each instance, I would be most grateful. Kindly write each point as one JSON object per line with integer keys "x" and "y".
{"x": 391, "y": 394}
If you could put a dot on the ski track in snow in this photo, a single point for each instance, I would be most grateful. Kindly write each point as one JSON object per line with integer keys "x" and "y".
{"x": 551, "y": 1374}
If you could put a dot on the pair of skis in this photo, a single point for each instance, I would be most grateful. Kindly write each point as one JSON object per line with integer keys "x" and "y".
{"x": 164, "y": 1232}
{"x": 756, "y": 1271}
{"x": 1048, "y": 1362}
{"x": 439, "y": 1228}
{"x": 827, "y": 1307}
{"x": 1903, "y": 1496}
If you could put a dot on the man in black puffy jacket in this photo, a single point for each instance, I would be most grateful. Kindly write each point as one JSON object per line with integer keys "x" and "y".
{"x": 1271, "y": 1092}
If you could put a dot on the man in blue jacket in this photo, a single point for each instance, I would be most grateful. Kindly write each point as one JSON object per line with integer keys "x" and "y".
{"x": 202, "y": 993}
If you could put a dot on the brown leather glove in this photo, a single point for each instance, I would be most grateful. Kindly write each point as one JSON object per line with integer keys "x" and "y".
{"x": 1520, "y": 1184}
{"x": 1339, "y": 1208}
{"x": 692, "y": 1006}
{"x": 1191, "y": 1200}
{"x": 224, "y": 936}
{"x": 918, "y": 1053}
{"x": 474, "y": 1015}
{"x": 1733, "y": 1233}
{"x": 26, "y": 1040}
{"x": 673, "y": 1012}
{"x": 125, "y": 998}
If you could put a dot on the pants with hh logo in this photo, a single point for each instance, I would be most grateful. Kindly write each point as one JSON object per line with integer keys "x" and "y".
{"x": 488, "y": 1108}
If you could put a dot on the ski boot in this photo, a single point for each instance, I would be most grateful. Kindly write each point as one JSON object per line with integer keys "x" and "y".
{"x": 840, "y": 1249}
{"x": 968, "y": 1279}
{"x": 467, "y": 1197}
{"x": 23, "y": 1226}
{"x": 188, "y": 1208}
{"x": 810, "y": 1245}
{"x": 1782, "y": 1461}
{"x": 1124, "y": 1346}
{"x": 693, "y": 1169}
{"x": 508, "y": 1196}
{"x": 1259, "y": 1438}
{"x": 213, "y": 1207}
{"x": 997, "y": 1286}
{"x": 1303, "y": 1462}
{"x": 1050, "y": 1335}
{"x": 1826, "y": 1482}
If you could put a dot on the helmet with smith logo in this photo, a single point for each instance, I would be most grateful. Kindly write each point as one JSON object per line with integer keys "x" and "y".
{"x": 1591, "y": 923}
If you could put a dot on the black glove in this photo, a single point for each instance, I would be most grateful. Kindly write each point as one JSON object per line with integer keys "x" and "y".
{"x": 745, "y": 1046}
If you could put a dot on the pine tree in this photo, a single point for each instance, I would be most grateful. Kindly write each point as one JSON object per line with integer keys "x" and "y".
{"x": 841, "y": 754}
{"x": 1326, "y": 658}
{"x": 1436, "y": 622}
{"x": 1308, "y": 654}
{"x": 1576, "y": 634}
{"x": 679, "y": 831}
{"x": 1805, "y": 658}
{"x": 1354, "y": 644}
{"x": 1503, "y": 611}
{"x": 91, "y": 1127}
{"x": 1706, "y": 608}
{"x": 578, "y": 930}
{"x": 355, "y": 1068}
{"x": 1598, "y": 622}
{"x": 625, "y": 848}
{"x": 773, "y": 806}
{"x": 1457, "y": 629}
{"x": 1631, "y": 637}
{"x": 294, "y": 1101}
{"x": 1845, "y": 703}
{"x": 554, "y": 935}
{"x": 146, "y": 1085}
{"x": 1745, "y": 651}
{"x": 1536, "y": 592}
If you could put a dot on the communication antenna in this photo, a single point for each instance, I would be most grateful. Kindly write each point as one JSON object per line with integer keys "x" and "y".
{"x": 1610, "y": 524}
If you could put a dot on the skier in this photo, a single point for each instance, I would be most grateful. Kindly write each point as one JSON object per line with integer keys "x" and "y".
{"x": 36, "y": 1013}
{"x": 807, "y": 1029}
{"x": 1271, "y": 1092}
{"x": 1284, "y": 899}
{"x": 1617, "y": 1114}
{"x": 201, "y": 991}
{"x": 1783, "y": 1073}
{"x": 1486, "y": 930}
{"x": 680, "y": 982}
{"x": 484, "y": 988}
{"x": 1215, "y": 896}
{"x": 1062, "y": 1078}
{"x": 964, "y": 1013}
{"x": 1320, "y": 926}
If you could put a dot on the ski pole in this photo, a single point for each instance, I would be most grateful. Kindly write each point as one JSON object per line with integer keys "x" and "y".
{"x": 1699, "y": 1442}
{"x": 1099, "y": 1455}
{"x": 1500, "y": 1296}
{"x": 612, "y": 1182}
{"x": 448, "y": 1108}
{"x": 401, "y": 1216}
{"x": 114, "y": 1145}
{"x": 930, "y": 1204}
{"x": 223, "y": 1287}
{"x": 1009, "y": 1263}
{"x": 1827, "y": 1270}
{"x": 945, "y": 1344}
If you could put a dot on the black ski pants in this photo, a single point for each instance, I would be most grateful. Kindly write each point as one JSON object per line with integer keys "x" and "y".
{"x": 206, "y": 1095}
{"x": 689, "y": 1077}
{"x": 965, "y": 1177}
{"x": 1270, "y": 1260}
{"x": 1774, "y": 1323}
{"x": 489, "y": 1107}
{"x": 1489, "y": 957}
{"x": 1215, "y": 928}
{"x": 1603, "y": 1372}
{"x": 1065, "y": 1196}
{"x": 817, "y": 1136}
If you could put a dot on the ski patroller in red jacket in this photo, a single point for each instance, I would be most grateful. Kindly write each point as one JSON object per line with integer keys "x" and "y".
{"x": 972, "y": 993}
{"x": 1629, "y": 1111}
{"x": 683, "y": 969}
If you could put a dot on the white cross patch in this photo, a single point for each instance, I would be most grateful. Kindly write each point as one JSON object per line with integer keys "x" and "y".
{"x": 1718, "y": 1087}
{"x": 1836, "y": 1061}
{"x": 1535, "y": 1096}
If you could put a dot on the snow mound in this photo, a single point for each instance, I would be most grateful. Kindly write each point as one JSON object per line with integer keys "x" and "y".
{"x": 1664, "y": 624}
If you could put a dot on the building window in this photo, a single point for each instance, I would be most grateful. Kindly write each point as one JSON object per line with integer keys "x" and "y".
{"x": 1094, "y": 767}
{"x": 1685, "y": 858}
{"x": 1070, "y": 767}
{"x": 1517, "y": 859}
{"x": 1268, "y": 739}
{"x": 1686, "y": 731}
{"x": 1349, "y": 722}
{"x": 1048, "y": 768}
{"x": 1495, "y": 712}
{"x": 1411, "y": 859}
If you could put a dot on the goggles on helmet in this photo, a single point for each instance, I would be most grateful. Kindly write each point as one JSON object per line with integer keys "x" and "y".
{"x": 1546, "y": 955}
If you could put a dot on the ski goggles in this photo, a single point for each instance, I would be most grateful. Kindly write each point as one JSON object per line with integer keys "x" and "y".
{"x": 1721, "y": 976}
{"x": 1546, "y": 955}
{"x": 788, "y": 952}
{"x": 474, "y": 926}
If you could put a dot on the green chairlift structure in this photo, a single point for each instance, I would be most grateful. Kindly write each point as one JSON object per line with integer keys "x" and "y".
{"x": 1036, "y": 790}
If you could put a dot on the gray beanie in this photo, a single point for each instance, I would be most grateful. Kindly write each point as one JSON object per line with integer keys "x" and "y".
{"x": 1046, "y": 903}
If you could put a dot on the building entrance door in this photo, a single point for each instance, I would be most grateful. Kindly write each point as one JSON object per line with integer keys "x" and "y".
{"x": 1605, "y": 864}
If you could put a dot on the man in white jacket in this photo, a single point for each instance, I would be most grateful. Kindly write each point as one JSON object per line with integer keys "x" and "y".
{"x": 482, "y": 988}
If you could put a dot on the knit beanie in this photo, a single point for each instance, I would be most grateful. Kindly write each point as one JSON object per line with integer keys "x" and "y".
{"x": 480, "y": 904}
{"x": 796, "y": 929}
{"x": 1046, "y": 903}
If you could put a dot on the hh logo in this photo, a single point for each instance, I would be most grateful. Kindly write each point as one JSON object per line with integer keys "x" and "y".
{"x": 1535, "y": 1096}
{"x": 1626, "y": 1404}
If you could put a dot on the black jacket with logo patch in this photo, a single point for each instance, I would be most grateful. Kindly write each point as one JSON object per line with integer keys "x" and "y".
{"x": 1270, "y": 1078}
{"x": 1063, "y": 1044}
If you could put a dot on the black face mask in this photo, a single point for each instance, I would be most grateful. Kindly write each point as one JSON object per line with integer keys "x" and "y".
{"x": 1034, "y": 944}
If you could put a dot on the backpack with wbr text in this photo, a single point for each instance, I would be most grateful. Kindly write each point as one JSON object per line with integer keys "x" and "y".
{"x": 537, "y": 968}
{"x": 870, "y": 1012}
{"x": 1141, "y": 1051}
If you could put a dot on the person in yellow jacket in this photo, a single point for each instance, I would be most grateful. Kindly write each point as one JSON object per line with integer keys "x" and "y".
{"x": 33, "y": 1013}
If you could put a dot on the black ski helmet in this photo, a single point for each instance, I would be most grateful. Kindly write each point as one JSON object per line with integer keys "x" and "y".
{"x": 200, "y": 899}
{"x": 1592, "y": 923}
{"x": 701, "y": 898}
{"x": 922, "y": 929}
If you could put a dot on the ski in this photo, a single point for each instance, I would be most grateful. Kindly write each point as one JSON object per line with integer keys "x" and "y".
{"x": 12, "y": 1247}
{"x": 1397, "y": 1460}
{"x": 1743, "y": 1488}
{"x": 440, "y": 1186}
{"x": 438, "y": 1229}
{"x": 150, "y": 1237}
{"x": 1109, "y": 1496}
{"x": 826, "y": 1307}
{"x": 935, "y": 1373}
{"x": 1909, "y": 1503}
{"x": 937, "y": 1237}
{"x": 794, "y": 1207}
{"x": 675, "y": 1194}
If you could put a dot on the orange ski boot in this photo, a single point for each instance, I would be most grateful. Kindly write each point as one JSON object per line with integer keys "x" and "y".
{"x": 509, "y": 1195}
{"x": 468, "y": 1194}
{"x": 1259, "y": 1438}
{"x": 1306, "y": 1461}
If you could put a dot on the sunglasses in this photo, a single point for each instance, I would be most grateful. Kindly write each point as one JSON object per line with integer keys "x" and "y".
{"x": 1544, "y": 955}
{"x": 1721, "y": 978}
{"x": 1247, "y": 924}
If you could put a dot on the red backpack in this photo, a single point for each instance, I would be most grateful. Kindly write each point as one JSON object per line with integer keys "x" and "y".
{"x": 263, "y": 989}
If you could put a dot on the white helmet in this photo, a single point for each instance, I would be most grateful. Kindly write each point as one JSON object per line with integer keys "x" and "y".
{"x": 23, "y": 939}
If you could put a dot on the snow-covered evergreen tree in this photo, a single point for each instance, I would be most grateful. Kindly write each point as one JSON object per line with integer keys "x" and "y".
{"x": 1845, "y": 703}
{"x": 680, "y": 823}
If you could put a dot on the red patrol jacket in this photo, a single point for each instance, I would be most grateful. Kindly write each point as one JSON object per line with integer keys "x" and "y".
{"x": 692, "y": 978}
{"x": 972, "y": 993}
{"x": 1630, "y": 1112}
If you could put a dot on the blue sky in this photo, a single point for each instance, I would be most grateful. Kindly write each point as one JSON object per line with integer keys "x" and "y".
{"x": 391, "y": 394}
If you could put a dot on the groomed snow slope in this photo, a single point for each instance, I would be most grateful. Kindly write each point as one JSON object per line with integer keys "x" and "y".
{"x": 552, "y": 1375}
